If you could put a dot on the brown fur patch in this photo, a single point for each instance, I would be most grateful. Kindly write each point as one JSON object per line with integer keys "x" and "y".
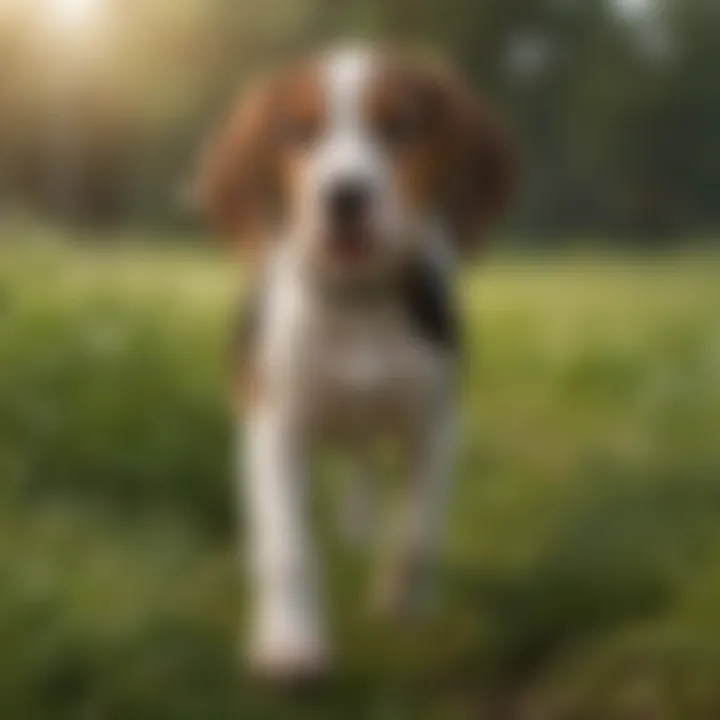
{"x": 254, "y": 156}
{"x": 453, "y": 151}
{"x": 247, "y": 391}
{"x": 402, "y": 110}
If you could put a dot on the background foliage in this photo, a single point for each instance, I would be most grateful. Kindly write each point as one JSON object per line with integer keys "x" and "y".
{"x": 581, "y": 568}
{"x": 614, "y": 101}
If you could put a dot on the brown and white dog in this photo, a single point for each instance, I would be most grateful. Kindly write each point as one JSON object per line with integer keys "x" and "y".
{"x": 353, "y": 180}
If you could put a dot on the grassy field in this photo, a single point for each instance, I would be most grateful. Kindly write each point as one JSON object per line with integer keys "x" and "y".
{"x": 582, "y": 574}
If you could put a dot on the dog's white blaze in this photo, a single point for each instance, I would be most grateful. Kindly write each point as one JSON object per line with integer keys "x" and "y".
{"x": 347, "y": 147}
{"x": 346, "y": 75}
{"x": 345, "y": 151}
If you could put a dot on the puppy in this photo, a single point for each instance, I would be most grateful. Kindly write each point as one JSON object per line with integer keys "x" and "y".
{"x": 352, "y": 181}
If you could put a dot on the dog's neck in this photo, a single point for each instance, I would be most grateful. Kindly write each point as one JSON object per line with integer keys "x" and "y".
{"x": 416, "y": 297}
{"x": 365, "y": 292}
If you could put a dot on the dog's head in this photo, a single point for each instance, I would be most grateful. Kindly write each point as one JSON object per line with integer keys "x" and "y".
{"x": 353, "y": 155}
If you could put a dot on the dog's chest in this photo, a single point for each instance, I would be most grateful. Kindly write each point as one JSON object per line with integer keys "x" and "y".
{"x": 364, "y": 371}
{"x": 358, "y": 364}
{"x": 369, "y": 356}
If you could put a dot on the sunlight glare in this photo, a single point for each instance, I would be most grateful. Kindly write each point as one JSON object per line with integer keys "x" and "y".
{"x": 73, "y": 14}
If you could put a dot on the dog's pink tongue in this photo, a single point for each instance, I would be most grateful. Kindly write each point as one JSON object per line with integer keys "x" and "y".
{"x": 353, "y": 248}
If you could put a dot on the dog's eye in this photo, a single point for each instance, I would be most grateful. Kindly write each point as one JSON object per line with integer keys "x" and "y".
{"x": 400, "y": 129}
{"x": 299, "y": 132}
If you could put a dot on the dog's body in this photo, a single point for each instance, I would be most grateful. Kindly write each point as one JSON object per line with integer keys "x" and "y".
{"x": 363, "y": 175}
{"x": 352, "y": 364}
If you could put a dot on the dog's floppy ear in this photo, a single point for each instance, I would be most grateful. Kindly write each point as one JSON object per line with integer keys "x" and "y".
{"x": 237, "y": 168}
{"x": 484, "y": 168}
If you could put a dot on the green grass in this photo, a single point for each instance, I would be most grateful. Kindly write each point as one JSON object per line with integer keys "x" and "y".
{"x": 582, "y": 575}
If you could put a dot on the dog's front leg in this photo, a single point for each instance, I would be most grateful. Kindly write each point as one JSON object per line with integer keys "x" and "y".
{"x": 288, "y": 637}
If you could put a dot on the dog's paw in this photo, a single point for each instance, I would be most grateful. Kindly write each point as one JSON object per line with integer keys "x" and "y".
{"x": 296, "y": 659}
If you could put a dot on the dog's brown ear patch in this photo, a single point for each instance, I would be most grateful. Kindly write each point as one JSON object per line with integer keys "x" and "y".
{"x": 484, "y": 172}
{"x": 237, "y": 171}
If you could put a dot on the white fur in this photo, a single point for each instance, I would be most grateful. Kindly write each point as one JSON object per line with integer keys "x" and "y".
{"x": 349, "y": 151}
{"x": 346, "y": 75}
{"x": 287, "y": 624}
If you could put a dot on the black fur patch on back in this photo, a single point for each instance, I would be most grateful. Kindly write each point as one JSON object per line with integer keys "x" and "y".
{"x": 430, "y": 306}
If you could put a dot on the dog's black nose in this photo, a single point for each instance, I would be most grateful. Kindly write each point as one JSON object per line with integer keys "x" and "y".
{"x": 347, "y": 202}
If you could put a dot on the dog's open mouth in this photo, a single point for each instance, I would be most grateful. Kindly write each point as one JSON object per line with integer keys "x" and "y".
{"x": 352, "y": 246}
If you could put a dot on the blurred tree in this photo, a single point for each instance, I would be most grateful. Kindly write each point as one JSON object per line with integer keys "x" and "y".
{"x": 615, "y": 104}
